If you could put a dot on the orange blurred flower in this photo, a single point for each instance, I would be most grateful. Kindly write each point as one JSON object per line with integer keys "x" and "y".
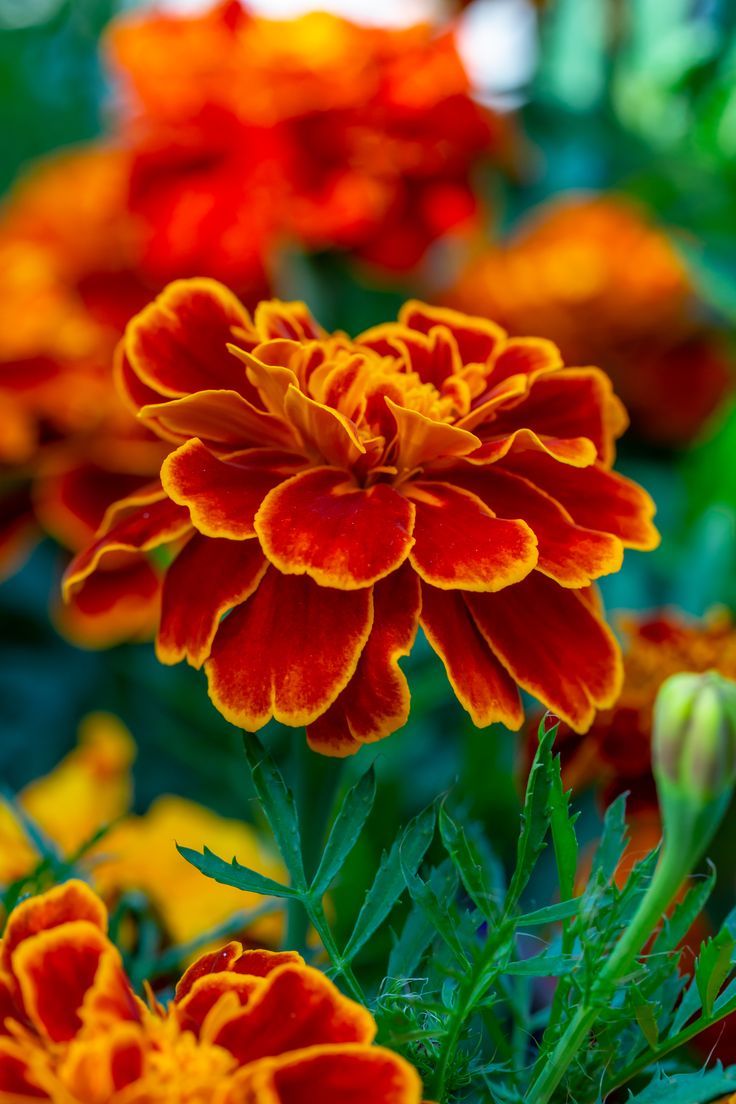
{"x": 244, "y": 1025}
{"x": 326, "y": 492}
{"x": 615, "y": 754}
{"x": 92, "y": 789}
{"x": 603, "y": 282}
{"x": 250, "y": 131}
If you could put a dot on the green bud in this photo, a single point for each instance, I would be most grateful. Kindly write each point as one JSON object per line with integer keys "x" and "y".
{"x": 694, "y": 738}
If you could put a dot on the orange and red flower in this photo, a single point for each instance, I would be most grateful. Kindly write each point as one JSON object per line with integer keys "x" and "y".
{"x": 598, "y": 278}
{"x": 244, "y": 1026}
{"x": 615, "y": 754}
{"x": 328, "y": 493}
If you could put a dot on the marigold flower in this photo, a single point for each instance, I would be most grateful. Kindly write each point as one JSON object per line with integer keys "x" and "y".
{"x": 244, "y": 1025}
{"x": 616, "y": 753}
{"x": 326, "y": 493}
{"x": 603, "y": 282}
{"x": 92, "y": 789}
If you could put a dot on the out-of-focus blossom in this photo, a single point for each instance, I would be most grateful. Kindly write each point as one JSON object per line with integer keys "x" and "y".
{"x": 615, "y": 755}
{"x": 603, "y": 282}
{"x": 252, "y": 131}
{"x": 327, "y": 493}
{"x": 90, "y": 790}
{"x": 244, "y": 1025}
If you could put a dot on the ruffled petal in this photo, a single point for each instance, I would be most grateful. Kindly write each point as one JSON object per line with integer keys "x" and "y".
{"x": 375, "y": 703}
{"x": 420, "y": 439}
{"x": 112, "y": 606}
{"x": 207, "y": 579}
{"x": 72, "y": 900}
{"x": 317, "y": 1013}
{"x": 527, "y": 356}
{"x": 595, "y": 498}
{"x": 461, "y": 545}
{"x": 142, "y": 528}
{"x": 288, "y": 651}
{"x": 222, "y": 418}
{"x": 178, "y": 344}
{"x": 345, "y": 1074}
{"x": 223, "y": 496}
{"x": 482, "y": 685}
{"x": 322, "y": 524}
{"x": 552, "y": 643}
{"x": 326, "y": 434}
{"x": 568, "y": 553}
{"x": 476, "y": 338}
{"x": 578, "y": 452}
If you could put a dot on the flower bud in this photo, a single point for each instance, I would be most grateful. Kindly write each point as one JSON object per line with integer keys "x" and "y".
{"x": 694, "y": 737}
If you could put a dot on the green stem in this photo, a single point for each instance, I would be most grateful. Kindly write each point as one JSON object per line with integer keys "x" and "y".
{"x": 664, "y": 885}
{"x": 319, "y": 922}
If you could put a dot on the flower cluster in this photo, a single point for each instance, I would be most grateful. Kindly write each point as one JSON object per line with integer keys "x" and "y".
{"x": 89, "y": 794}
{"x": 244, "y": 1026}
{"x": 604, "y": 283}
{"x": 328, "y": 493}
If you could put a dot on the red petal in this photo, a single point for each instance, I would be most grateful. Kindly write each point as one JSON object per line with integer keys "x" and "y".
{"x": 275, "y": 318}
{"x": 476, "y": 337}
{"x": 345, "y": 1074}
{"x": 375, "y": 702}
{"x": 578, "y": 452}
{"x": 460, "y": 545}
{"x": 219, "y": 417}
{"x": 288, "y": 652}
{"x": 553, "y": 645}
{"x": 322, "y": 524}
{"x": 207, "y": 579}
{"x": 528, "y": 356}
{"x": 577, "y": 402}
{"x": 178, "y": 344}
{"x": 16, "y": 1078}
{"x": 568, "y": 553}
{"x": 213, "y": 962}
{"x": 297, "y": 1007}
{"x": 482, "y": 685}
{"x": 112, "y": 606}
{"x": 222, "y": 496}
{"x": 326, "y": 434}
{"x": 73, "y": 900}
{"x": 596, "y": 498}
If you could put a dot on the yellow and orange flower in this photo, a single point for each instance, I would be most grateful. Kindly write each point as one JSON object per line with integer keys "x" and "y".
{"x": 244, "y": 1026}
{"x": 329, "y": 493}
{"x": 615, "y": 754}
{"x": 596, "y": 276}
{"x": 249, "y": 131}
{"x": 92, "y": 789}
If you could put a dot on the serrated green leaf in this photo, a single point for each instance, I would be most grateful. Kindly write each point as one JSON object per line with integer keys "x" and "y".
{"x": 233, "y": 874}
{"x": 562, "y": 825}
{"x": 534, "y": 820}
{"x": 676, "y": 926}
{"x": 646, "y": 1016}
{"x": 543, "y": 966}
{"x": 407, "y": 853}
{"x": 549, "y": 915}
{"x": 468, "y": 862}
{"x": 279, "y": 807}
{"x": 346, "y": 829}
{"x": 419, "y": 931}
{"x": 437, "y": 912}
{"x": 713, "y": 967}
{"x": 687, "y": 1088}
{"x": 613, "y": 840}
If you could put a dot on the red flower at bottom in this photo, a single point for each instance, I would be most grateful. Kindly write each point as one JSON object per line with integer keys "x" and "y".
{"x": 328, "y": 494}
{"x": 245, "y": 1027}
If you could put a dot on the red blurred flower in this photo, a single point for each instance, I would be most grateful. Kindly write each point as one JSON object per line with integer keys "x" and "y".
{"x": 256, "y": 1026}
{"x": 250, "y": 131}
{"x": 599, "y": 279}
{"x": 325, "y": 492}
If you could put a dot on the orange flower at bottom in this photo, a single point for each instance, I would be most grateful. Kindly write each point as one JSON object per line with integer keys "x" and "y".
{"x": 245, "y": 1027}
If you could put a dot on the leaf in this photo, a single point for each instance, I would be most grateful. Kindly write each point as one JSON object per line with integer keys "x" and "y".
{"x": 406, "y": 853}
{"x": 348, "y": 825}
{"x": 437, "y": 912}
{"x": 550, "y": 914}
{"x": 542, "y": 966}
{"x": 613, "y": 840}
{"x": 469, "y": 864}
{"x": 646, "y": 1016}
{"x": 233, "y": 874}
{"x": 279, "y": 807}
{"x": 713, "y": 967}
{"x": 534, "y": 820}
{"x": 676, "y": 926}
{"x": 687, "y": 1088}
{"x": 419, "y": 931}
{"x": 562, "y": 824}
